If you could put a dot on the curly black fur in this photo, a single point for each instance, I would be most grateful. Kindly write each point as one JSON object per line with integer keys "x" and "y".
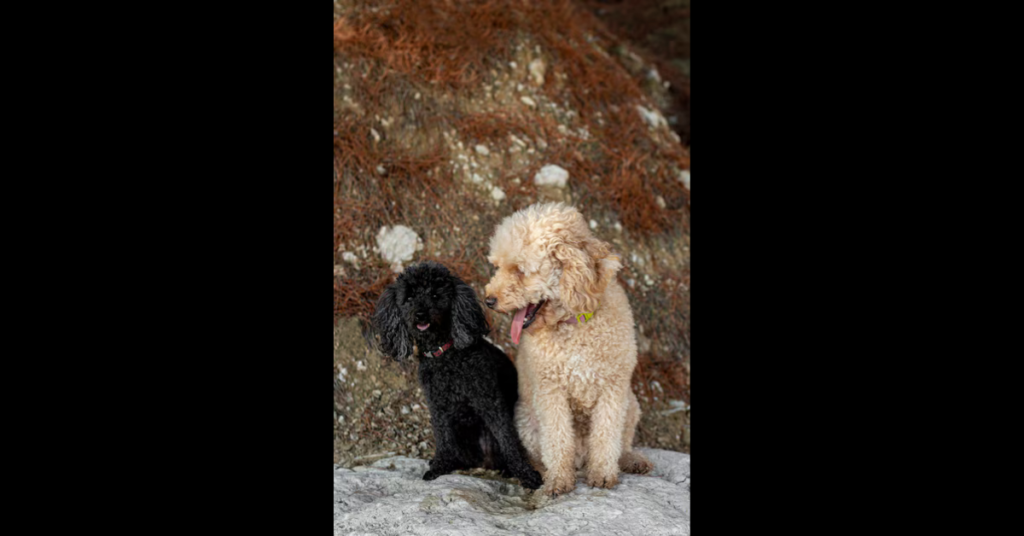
{"x": 471, "y": 388}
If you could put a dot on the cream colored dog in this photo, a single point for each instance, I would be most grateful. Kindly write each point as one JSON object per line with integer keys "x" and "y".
{"x": 578, "y": 349}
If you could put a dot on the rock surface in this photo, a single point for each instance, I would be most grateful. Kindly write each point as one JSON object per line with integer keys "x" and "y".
{"x": 390, "y": 497}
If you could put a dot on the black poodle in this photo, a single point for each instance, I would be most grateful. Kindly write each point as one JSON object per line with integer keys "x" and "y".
{"x": 470, "y": 385}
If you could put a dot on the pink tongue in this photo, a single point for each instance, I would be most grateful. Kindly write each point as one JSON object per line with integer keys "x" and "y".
{"x": 517, "y": 324}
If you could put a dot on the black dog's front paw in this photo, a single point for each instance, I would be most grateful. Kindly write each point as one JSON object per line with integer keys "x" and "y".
{"x": 439, "y": 467}
{"x": 531, "y": 479}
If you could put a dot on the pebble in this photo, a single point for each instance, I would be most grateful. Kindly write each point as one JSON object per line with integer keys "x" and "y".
{"x": 537, "y": 71}
{"x": 551, "y": 175}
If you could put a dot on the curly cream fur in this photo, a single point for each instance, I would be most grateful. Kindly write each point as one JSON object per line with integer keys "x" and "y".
{"x": 576, "y": 408}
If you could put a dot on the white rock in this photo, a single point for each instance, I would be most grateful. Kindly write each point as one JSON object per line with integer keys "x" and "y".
{"x": 390, "y": 497}
{"x": 593, "y": 224}
{"x": 513, "y": 64}
{"x": 537, "y": 68}
{"x": 653, "y": 118}
{"x": 350, "y": 257}
{"x": 360, "y": 365}
{"x": 397, "y": 245}
{"x": 551, "y": 175}
{"x": 476, "y": 178}
{"x": 381, "y": 170}
{"x": 482, "y": 149}
{"x": 497, "y": 193}
{"x": 528, "y": 101}
{"x": 660, "y": 201}
{"x": 675, "y": 405}
{"x": 376, "y": 136}
{"x": 684, "y": 176}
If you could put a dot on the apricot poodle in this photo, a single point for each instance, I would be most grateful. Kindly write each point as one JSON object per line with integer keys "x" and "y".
{"x": 577, "y": 348}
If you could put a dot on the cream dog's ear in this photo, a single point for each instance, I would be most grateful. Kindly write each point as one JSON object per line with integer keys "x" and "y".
{"x": 608, "y": 264}
{"x": 586, "y": 272}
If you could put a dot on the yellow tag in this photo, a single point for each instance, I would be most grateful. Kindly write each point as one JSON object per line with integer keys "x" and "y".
{"x": 583, "y": 317}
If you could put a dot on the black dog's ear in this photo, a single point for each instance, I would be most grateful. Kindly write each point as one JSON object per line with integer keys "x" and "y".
{"x": 388, "y": 321}
{"x": 468, "y": 321}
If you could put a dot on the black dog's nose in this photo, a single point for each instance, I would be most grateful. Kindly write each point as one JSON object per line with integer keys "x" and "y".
{"x": 490, "y": 301}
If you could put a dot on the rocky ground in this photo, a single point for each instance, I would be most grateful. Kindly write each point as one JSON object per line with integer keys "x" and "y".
{"x": 380, "y": 410}
{"x": 389, "y": 497}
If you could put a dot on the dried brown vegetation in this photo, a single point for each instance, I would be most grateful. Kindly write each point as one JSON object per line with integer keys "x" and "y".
{"x": 417, "y": 84}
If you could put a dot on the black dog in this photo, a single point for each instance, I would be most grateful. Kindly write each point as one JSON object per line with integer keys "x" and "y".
{"x": 470, "y": 385}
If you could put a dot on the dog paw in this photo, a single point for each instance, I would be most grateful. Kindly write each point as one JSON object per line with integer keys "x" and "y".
{"x": 599, "y": 480}
{"x": 531, "y": 479}
{"x": 560, "y": 484}
{"x": 432, "y": 474}
{"x": 635, "y": 463}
